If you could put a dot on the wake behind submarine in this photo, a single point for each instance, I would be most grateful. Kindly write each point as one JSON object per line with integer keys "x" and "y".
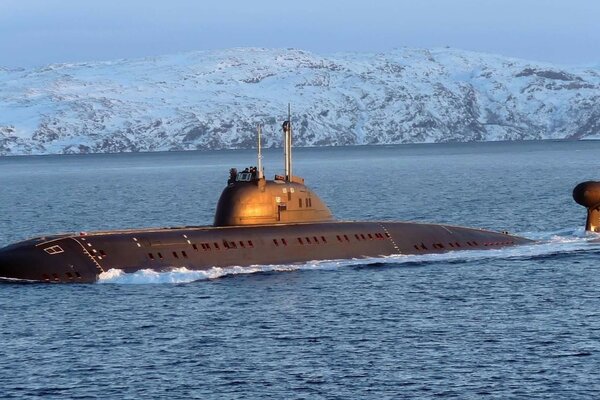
{"x": 257, "y": 222}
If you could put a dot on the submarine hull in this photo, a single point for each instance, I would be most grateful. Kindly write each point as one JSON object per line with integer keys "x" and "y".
{"x": 83, "y": 257}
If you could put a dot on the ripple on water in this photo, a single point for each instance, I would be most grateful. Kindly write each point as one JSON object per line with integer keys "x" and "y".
{"x": 519, "y": 322}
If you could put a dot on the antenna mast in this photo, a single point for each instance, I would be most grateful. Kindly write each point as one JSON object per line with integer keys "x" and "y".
{"x": 287, "y": 149}
{"x": 260, "y": 167}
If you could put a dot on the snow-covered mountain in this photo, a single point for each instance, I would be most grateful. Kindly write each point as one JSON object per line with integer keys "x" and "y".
{"x": 214, "y": 99}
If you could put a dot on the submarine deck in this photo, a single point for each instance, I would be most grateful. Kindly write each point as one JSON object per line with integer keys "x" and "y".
{"x": 40, "y": 240}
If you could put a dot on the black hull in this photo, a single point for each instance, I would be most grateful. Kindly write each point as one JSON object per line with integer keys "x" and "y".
{"x": 81, "y": 258}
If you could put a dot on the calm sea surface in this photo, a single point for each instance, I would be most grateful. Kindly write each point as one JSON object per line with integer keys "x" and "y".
{"x": 514, "y": 323}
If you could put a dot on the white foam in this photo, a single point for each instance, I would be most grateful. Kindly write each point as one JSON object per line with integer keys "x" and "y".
{"x": 549, "y": 243}
{"x": 184, "y": 275}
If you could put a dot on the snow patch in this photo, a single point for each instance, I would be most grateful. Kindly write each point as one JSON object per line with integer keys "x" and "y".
{"x": 214, "y": 99}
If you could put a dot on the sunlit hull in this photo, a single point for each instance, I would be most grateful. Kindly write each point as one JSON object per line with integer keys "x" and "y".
{"x": 83, "y": 257}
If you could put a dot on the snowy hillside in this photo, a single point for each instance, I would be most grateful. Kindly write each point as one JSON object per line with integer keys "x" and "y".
{"x": 213, "y": 100}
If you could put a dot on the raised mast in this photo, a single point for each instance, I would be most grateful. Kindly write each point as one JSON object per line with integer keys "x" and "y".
{"x": 287, "y": 148}
{"x": 260, "y": 157}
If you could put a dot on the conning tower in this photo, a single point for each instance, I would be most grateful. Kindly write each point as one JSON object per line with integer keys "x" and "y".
{"x": 250, "y": 199}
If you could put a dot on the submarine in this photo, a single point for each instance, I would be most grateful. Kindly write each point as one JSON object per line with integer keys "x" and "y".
{"x": 257, "y": 222}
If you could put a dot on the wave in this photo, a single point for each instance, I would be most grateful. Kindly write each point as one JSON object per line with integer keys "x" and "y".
{"x": 549, "y": 244}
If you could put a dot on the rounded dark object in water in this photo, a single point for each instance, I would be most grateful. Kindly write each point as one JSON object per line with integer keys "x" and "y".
{"x": 587, "y": 194}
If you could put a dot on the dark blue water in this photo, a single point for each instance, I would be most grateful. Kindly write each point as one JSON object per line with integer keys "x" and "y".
{"x": 514, "y": 323}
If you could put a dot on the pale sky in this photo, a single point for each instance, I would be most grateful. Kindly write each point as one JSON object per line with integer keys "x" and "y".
{"x": 37, "y": 32}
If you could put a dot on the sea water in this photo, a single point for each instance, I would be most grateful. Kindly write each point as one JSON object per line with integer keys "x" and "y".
{"x": 520, "y": 322}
